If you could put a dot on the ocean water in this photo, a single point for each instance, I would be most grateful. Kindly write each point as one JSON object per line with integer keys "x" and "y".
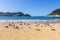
{"x": 29, "y": 18}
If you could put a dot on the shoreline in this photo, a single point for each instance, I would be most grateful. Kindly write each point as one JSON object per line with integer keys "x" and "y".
{"x": 33, "y": 21}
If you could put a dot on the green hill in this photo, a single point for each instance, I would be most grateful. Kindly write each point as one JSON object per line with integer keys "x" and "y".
{"x": 13, "y": 14}
{"x": 55, "y": 12}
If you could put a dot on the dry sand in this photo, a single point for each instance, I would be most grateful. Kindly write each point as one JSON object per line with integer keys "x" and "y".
{"x": 29, "y": 31}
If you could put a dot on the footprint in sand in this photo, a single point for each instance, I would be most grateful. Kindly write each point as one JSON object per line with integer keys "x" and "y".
{"x": 17, "y": 27}
{"x": 53, "y": 29}
{"x": 29, "y": 27}
{"x": 37, "y": 29}
{"x": 6, "y": 26}
{"x": 41, "y": 26}
{"x": 20, "y": 24}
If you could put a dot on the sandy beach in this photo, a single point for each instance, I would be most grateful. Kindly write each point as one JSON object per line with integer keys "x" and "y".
{"x": 21, "y": 30}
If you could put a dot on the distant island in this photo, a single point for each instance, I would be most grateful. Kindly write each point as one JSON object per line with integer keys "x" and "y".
{"x": 13, "y": 14}
{"x": 55, "y": 12}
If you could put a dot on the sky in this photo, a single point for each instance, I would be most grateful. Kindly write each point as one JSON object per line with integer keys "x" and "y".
{"x": 32, "y": 7}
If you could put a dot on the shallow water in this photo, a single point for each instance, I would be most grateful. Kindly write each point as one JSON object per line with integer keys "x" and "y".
{"x": 28, "y": 18}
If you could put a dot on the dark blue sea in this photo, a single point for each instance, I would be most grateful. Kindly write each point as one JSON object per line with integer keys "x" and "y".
{"x": 29, "y": 18}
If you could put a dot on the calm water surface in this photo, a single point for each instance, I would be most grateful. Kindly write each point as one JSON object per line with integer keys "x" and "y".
{"x": 28, "y": 18}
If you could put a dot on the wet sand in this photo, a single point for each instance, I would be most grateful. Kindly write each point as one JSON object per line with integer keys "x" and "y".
{"x": 29, "y": 31}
